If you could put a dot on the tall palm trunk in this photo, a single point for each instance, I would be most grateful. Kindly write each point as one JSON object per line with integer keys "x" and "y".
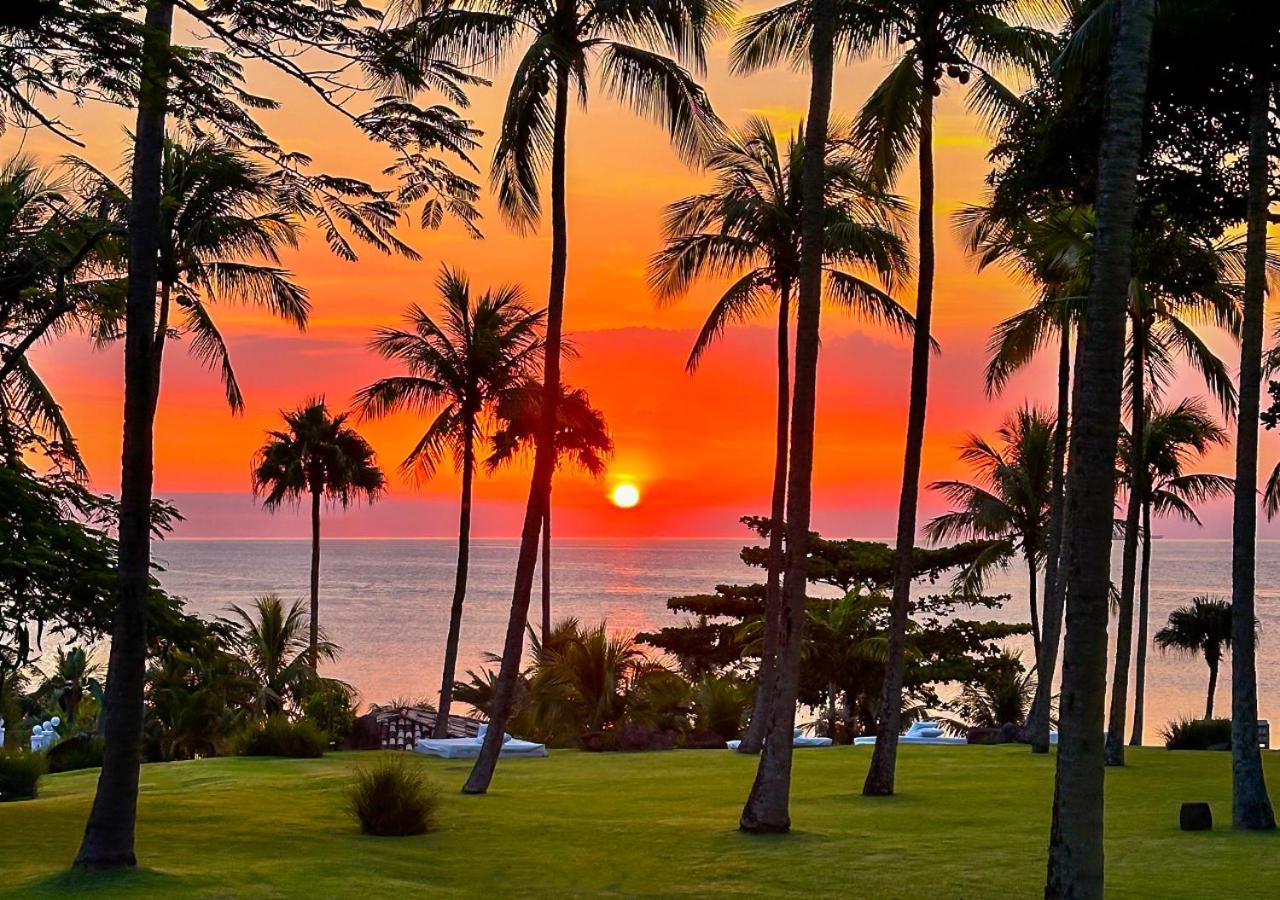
{"x": 546, "y": 573}
{"x": 1212, "y": 659}
{"x": 767, "y": 806}
{"x": 884, "y": 759}
{"x": 1250, "y": 804}
{"x": 1144, "y": 614}
{"x": 1075, "y": 867}
{"x": 313, "y": 652}
{"x": 1054, "y": 583}
{"x": 1129, "y": 557}
{"x": 109, "y": 834}
{"x": 1033, "y": 599}
{"x": 544, "y": 460}
{"x": 765, "y": 687}
{"x": 460, "y": 579}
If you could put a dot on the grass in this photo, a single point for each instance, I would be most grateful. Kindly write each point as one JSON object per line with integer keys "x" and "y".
{"x": 967, "y": 822}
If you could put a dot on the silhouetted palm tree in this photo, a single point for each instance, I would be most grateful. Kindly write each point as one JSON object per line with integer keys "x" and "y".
{"x": 222, "y": 227}
{"x": 581, "y": 436}
{"x": 1010, "y": 504}
{"x": 458, "y": 369}
{"x": 1075, "y": 866}
{"x": 1204, "y": 627}
{"x": 748, "y": 226}
{"x": 273, "y": 640}
{"x": 940, "y": 40}
{"x": 1175, "y": 437}
{"x": 320, "y": 456}
{"x": 625, "y": 42}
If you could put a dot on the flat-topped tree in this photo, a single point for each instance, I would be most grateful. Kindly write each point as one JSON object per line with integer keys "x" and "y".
{"x": 842, "y": 651}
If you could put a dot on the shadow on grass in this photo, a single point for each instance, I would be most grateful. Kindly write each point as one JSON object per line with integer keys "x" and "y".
{"x": 108, "y": 884}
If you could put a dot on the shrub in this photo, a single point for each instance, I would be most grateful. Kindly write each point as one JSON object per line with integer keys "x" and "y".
{"x": 1197, "y": 734}
{"x": 81, "y": 751}
{"x": 280, "y": 736}
{"x": 720, "y": 704}
{"x": 20, "y": 774}
{"x": 331, "y": 709}
{"x": 633, "y": 738}
{"x": 393, "y": 798}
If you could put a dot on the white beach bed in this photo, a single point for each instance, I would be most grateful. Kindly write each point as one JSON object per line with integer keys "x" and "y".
{"x": 798, "y": 739}
{"x": 469, "y": 748}
{"x": 918, "y": 733}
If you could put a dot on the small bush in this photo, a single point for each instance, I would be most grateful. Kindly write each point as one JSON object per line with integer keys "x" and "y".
{"x": 82, "y": 751}
{"x": 1197, "y": 734}
{"x": 331, "y": 709}
{"x": 20, "y": 774}
{"x": 394, "y": 798}
{"x": 636, "y": 738}
{"x": 280, "y": 736}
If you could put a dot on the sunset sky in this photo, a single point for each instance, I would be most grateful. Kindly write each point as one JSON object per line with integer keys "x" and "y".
{"x": 699, "y": 448}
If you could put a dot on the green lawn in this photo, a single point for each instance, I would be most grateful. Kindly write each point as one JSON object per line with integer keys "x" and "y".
{"x": 968, "y": 822}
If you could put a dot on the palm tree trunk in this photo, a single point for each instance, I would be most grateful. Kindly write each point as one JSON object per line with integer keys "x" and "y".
{"x": 1144, "y": 613}
{"x": 1075, "y": 867}
{"x": 544, "y": 460}
{"x": 109, "y": 834}
{"x": 767, "y": 806}
{"x": 1213, "y": 686}
{"x": 1033, "y": 573}
{"x": 313, "y": 640}
{"x": 884, "y": 759}
{"x": 1054, "y": 583}
{"x": 441, "y": 729}
{"x": 1129, "y": 557}
{"x": 1250, "y": 804}
{"x": 765, "y": 688}
{"x": 157, "y": 346}
{"x": 546, "y": 573}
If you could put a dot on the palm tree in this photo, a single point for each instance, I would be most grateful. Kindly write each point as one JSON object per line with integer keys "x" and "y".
{"x": 1051, "y": 251}
{"x": 1009, "y": 505}
{"x": 320, "y": 455}
{"x": 1174, "y": 437}
{"x": 48, "y": 283}
{"x": 960, "y": 40}
{"x": 222, "y": 227}
{"x": 273, "y": 641}
{"x": 626, "y": 40}
{"x": 581, "y": 435}
{"x": 748, "y": 226}
{"x": 1075, "y": 867}
{"x": 74, "y": 680}
{"x": 1204, "y": 627}
{"x": 458, "y": 369}
{"x": 1250, "y": 804}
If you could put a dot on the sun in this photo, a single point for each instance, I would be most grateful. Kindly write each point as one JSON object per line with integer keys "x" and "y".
{"x": 625, "y": 496}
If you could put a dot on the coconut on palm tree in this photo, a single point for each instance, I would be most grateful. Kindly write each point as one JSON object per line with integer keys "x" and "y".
{"x": 1202, "y": 628}
{"x": 634, "y": 49}
{"x": 748, "y": 226}
{"x": 457, "y": 370}
{"x": 317, "y": 455}
{"x": 581, "y": 436}
{"x": 1174, "y": 438}
{"x": 1009, "y": 505}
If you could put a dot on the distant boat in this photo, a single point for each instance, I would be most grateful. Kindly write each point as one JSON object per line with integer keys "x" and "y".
{"x": 1157, "y": 537}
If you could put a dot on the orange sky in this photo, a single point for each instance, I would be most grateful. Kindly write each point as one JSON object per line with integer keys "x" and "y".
{"x": 699, "y": 448}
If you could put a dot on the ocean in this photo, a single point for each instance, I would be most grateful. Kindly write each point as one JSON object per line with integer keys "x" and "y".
{"x": 386, "y": 602}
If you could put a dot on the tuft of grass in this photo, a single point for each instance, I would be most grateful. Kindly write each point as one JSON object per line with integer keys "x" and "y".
{"x": 394, "y": 798}
{"x": 1197, "y": 734}
{"x": 20, "y": 774}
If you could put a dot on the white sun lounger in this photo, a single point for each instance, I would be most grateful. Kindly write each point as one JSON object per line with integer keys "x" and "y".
{"x": 469, "y": 748}
{"x": 918, "y": 733}
{"x": 799, "y": 739}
